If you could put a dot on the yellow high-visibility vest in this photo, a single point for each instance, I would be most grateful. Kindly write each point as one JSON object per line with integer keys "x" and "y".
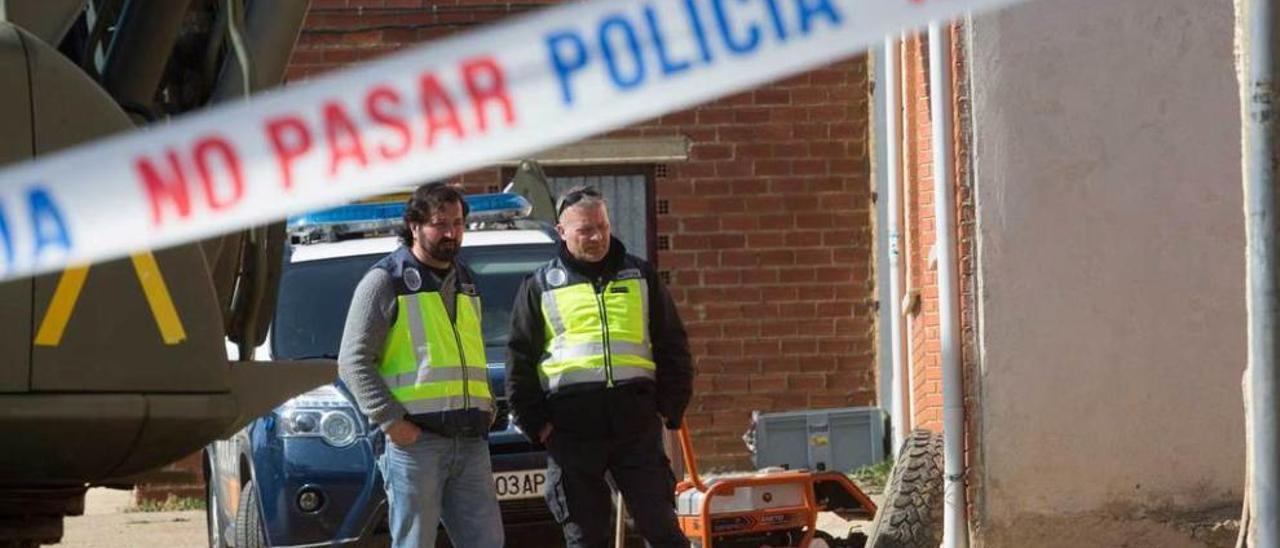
{"x": 595, "y": 337}
{"x": 431, "y": 364}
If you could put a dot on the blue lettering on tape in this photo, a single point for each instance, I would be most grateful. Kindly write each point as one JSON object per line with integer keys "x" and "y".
{"x": 669, "y": 66}
{"x": 609, "y": 33}
{"x": 775, "y": 17}
{"x": 49, "y": 231}
{"x": 6, "y": 237}
{"x": 47, "y": 224}
{"x": 809, "y": 9}
{"x": 567, "y": 62}
{"x": 736, "y": 44}
{"x": 695, "y": 25}
{"x": 629, "y": 44}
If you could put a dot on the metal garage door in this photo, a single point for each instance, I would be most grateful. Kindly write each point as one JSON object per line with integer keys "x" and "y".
{"x": 629, "y": 191}
{"x": 628, "y": 197}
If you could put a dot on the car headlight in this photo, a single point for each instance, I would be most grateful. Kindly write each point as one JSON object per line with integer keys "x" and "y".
{"x": 298, "y": 422}
{"x": 320, "y": 413}
{"x": 338, "y": 429}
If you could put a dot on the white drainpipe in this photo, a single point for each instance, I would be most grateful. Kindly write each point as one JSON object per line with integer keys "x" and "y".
{"x": 892, "y": 115}
{"x": 955, "y": 527}
{"x": 904, "y": 153}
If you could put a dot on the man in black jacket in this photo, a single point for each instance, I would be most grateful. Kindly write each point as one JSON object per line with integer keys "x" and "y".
{"x": 599, "y": 361}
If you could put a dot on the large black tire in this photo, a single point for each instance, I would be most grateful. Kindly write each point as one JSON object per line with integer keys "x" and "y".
{"x": 911, "y": 514}
{"x": 249, "y": 531}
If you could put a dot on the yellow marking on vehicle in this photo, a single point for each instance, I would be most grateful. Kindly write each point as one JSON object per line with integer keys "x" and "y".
{"x": 162, "y": 309}
{"x": 72, "y": 281}
{"x": 60, "y": 307}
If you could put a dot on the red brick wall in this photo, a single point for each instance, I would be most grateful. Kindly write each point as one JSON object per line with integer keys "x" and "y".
{"x": 769, "y": 222}
{"x": 924, "y": 343}
{"x": 770, "y": 225}
{"x": 925, "y": 340}
{"x": 182, "y": 479}
{"x": 339, "y": 32}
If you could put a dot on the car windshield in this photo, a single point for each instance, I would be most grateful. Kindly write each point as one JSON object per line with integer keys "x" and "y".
{"x": 315, "y": 295}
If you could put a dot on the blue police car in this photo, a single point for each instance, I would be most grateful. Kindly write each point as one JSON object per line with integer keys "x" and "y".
{"x": 305, "y": 474}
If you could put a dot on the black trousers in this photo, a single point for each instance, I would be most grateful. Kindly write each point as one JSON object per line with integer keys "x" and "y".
{"x": 579, "y": 496}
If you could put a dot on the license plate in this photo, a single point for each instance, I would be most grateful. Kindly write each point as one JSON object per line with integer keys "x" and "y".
{"x": 524, "y": 484}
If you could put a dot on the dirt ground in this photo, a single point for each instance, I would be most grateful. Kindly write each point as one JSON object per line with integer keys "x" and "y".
{"x": 107, "y": 524}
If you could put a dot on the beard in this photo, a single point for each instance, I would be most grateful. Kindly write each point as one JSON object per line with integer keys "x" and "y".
{"x": 594, "y": 254}
{"x": 443, "y": 250}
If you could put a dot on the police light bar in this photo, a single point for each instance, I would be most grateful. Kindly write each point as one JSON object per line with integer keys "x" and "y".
{"x": 354, "y": 214}
{"x": 385, "y": 217}
{"x": 488, "y": 208}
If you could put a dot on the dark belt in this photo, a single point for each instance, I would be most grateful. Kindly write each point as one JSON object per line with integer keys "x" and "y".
{"x": 587, "y": 387}
{"x": 453, "y": 427}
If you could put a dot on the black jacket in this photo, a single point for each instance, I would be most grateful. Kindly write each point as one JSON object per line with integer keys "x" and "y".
{"x": 601, "y": 412}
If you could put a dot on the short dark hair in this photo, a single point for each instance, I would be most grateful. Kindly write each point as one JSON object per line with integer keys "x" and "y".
{"x": 576, "y": 195}
{"x": 426, "y": 200}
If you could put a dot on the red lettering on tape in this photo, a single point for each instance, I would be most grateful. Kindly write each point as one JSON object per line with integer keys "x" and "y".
{"x": 290, "y": 139}
{"x": 164, "y": 187}
{"x": 383, "y": 125}
{"x": 344, "y": 139}
{"x": 381, "y": 104}
{"x": 438, "y": 108}
{"x": 216, "y": 148}
{"x": 485, "y": 83}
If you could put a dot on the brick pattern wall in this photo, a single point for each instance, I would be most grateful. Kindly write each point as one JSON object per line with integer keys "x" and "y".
{"x": 924, "y": 343}
{"x": 769, "y": 222}
{"x": 182, "y": 479}
{"x": 920, "y": 235}
{"x": 339, "y": 32}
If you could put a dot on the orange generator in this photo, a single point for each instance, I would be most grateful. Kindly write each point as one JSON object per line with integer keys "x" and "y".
{"x": 768, "y": 508}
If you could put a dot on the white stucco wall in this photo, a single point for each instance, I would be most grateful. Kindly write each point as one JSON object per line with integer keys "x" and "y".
{"x": 1111, "y": 258}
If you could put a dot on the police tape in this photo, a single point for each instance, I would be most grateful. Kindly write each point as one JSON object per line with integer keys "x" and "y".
{"x": 549, "y": 78}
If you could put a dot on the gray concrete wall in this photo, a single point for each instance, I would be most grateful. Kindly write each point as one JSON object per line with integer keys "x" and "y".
{"x": 1111, "y": 259}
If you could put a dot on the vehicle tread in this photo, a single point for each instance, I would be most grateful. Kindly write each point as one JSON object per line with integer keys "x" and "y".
{"x": 249, "y": 531}
{"x": 911, "y": 515}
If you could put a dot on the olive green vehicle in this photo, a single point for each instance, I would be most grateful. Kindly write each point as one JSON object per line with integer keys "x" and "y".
{"x": 113, "y": 369}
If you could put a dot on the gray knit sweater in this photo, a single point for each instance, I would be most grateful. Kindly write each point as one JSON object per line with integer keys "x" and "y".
{"x": 373, "y": 309}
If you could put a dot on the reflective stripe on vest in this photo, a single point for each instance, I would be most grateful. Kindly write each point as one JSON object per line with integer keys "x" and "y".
{"x": 431, "y": 364}
{"x": 596, "y": 338}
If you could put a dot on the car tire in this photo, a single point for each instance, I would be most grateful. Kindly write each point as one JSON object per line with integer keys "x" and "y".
{"x": 911, "y": 515}
{"x": 249, "y": 531}
{"x": 213, "y": 525}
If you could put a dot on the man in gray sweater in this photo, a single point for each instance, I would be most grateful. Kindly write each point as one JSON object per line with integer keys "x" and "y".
{"x": 413, "y": 356}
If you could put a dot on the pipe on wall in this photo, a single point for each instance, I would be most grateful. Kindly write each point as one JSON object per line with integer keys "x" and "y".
{"x": 1257, "y": 22}
{"x": 893, "y": 205}
{"x": 955, "y": 526}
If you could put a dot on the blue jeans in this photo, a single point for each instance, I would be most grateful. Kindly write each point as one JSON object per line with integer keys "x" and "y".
{"x": 441, "y": 479}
